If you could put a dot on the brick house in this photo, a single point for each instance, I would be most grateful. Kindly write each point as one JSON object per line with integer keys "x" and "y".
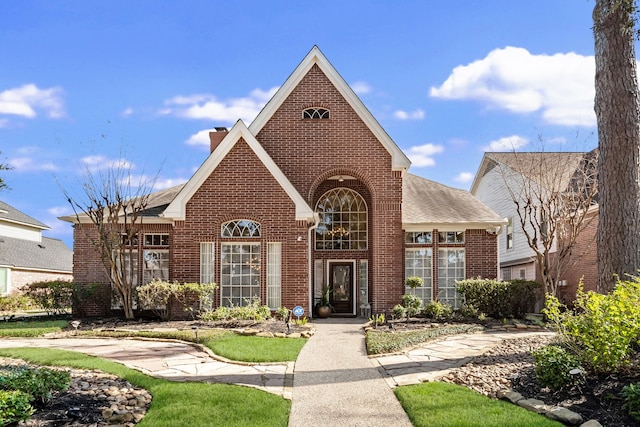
{"x": 25, "y": 255}
{"x": 501, "y": 173}
{"x": 312, "y": 193}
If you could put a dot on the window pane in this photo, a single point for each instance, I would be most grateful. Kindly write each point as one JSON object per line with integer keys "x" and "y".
{"x": 274, "y": 275}
{"x": 343, "y": 220}
{"x": 451, "y": 267}
{"x": 241, "y": 275}
{"x": 418, "y": 262}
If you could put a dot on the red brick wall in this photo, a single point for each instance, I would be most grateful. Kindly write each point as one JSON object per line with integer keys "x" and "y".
{"x": 241, "y": 187}
{"x": 310, "y": 151}
{"x": 481, "y": 254}
{"x": 582, "y": 263}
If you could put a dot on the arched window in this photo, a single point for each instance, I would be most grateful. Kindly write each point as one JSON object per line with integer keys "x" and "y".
{"x": 315, "y": 113}
{"x": 241, "y": 228}
{"x": 343, "y": 220}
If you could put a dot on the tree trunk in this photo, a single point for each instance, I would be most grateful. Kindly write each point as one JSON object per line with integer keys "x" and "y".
{"x": 618, "y": 115}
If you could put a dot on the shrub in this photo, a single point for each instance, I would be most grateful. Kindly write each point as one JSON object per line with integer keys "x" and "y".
{"x": 468, "y": 311}
{"x": 553, "y": 364}
{"x": 252, "y": 310}
{"x": 499, "y": 299}
{"x": 15, "y": 302}
{"x": 602, "y": 329}
{"x": 631, "y": 396}
{"x": 438, "y": 311}
{"x": 54, "y": 297}
{"x": 282, "y": 313}
{"x": 398, "y": 311}
{"x": 414, "y": 282}
{"x": 157, "y": 295}
{"x": 14, "y": 406}
{"x": 412, "y": 304}
{"x": 38, "y": 383}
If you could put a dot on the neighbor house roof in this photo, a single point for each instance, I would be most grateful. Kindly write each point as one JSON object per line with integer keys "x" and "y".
{"x": 10, "y": 214}
{"x": 46, "y": 255}
{"x": 429, "y": 205}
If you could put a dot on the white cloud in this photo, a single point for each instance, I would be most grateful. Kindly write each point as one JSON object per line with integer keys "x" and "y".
{"x": 361, "y": 88}
{"x": 559, "y": 86}
{"x": 508, "y": 143}
{"x": 200, "y": 138}
{"x": 204, "y": 106}
{"x": 29, "y": 164}
{"x": 413, "y": 115}
{"x": 422, "y": 155}
{"x": 164, "y": 183}
{"x": 127, "y": 112}
{"x": 57, "y": 211}
{"x": 28, "y": 100}
{"x": 98, "y": 162}
{"x": 463, "y": 177}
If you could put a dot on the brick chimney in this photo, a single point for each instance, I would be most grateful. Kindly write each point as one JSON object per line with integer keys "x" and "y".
{"x": 216, "y": 137}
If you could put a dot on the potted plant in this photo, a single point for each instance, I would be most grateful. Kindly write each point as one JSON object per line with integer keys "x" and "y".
{"x": 323, "y": 307}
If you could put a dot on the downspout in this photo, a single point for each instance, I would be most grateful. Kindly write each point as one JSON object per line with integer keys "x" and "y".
{"x": 316, "y": 219}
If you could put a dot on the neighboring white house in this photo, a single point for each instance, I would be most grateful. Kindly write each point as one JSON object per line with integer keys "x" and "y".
{"x": 25, "y": 255}
{"x": 501, "y": 173}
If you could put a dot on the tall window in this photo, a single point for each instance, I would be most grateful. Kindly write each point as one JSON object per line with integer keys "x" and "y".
{"x": 451, "y": 264}
{"x": 418, "y": 262}
{"x": 274, "y": 275}
{"x": 509, "y": 233}
{"x": 343, "y": 220}
{"x": 239, "y": 273}
{"x": 3, "y": 280}
{"x": 155, "y": 265}
{"x": 207, "y": 262}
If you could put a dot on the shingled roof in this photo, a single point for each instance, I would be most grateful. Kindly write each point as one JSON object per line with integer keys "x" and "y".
{"x": 426, "y": 202}
{"x": 47, "y": 255}
{"x": 10, "y": 214}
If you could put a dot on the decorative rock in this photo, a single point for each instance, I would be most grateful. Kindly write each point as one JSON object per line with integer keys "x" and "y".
{"x": 521, "y": 326}
{"x": 510, "y": 395}
{"x": 295, "y": 335}
{"x": 591, "y": 423}
{"x": 264, "y": 334}
{"x": 280, "y": 335}
{"x": 564, "y": 415}
{"x": 534, "y": 405}
{"x": 249, "y": 332}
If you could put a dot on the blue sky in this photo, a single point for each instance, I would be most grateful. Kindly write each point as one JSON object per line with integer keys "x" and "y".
{"x": 84, "y": 83}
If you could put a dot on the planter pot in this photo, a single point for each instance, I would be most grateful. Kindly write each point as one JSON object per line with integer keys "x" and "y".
{"x": 323, "y": 311}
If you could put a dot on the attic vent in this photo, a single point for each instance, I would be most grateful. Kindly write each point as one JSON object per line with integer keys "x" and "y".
{"x": 315, "y": 113}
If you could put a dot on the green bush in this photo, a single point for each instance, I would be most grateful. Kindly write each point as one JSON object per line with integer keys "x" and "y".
{"x": 14, "y": 406}
{"x": 252, "y": 310}
{"x": 438, "y": 311}
{"x": 398, "y": 311}
{"x": 500, "y": 299}
{"x": 602, "y": 329}
{"x": 38, "y": 383}
{"x": 468, "y": 311}
{"x": 15, "y": 302}
{"x": 412, "y": 304}
{"x": 414, "y": 282}
{"x": 631, "y": 396}
{"x": 157, "y": 295}
{"x": 54, "y": 297}
{"x": 553, "y": 364}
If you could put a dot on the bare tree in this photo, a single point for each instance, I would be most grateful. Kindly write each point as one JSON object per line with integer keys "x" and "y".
{"x": 617, "y": 108}
{"x": 554, "y": 195}
{"x": 116, "y": 207}
{"x": 3, "y": 184}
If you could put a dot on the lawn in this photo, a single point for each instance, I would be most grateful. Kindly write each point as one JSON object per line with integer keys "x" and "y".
{"x": 31, "y": 328}
{"x": 447, "y": 405}
{"x": 174, "y": 403}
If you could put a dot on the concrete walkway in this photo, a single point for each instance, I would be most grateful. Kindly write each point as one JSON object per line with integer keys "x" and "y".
{"x": 334, "y": 381}
{"x": 173, "y": 361}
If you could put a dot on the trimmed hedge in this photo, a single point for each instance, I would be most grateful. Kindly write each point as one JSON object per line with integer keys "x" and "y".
{"x": 500, "y": 299}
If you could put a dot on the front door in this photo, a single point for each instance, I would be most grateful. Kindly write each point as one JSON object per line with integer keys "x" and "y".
{"x": 341, "y": 283}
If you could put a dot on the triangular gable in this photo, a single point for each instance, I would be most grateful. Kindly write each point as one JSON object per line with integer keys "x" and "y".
{"x": 399, "y": 160}
{"x": 177, "y": 208}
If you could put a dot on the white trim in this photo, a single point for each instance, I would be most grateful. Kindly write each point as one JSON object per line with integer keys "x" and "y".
{"x": 355, "y": 275}
{"x": 399, "y": 161}
{"x": 177, "y": 208}
{"x": 463, "y": 226}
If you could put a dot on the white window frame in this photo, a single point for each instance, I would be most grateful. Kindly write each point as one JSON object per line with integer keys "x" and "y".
{"x": 425, "y": 272}
{"x": 155, "y": 265}
{"x": 236, "y": 269}
{"x": 207, "y": 262}
{"x": 448, "y": 274}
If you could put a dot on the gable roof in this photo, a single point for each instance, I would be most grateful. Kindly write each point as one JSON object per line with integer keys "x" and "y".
{"x": 176, "y": 210}
{"x": 426, "y": 203}
{"x": 528, "y": 164}
{"x": 399, "y": 161}
{"x": 10, "y": 214}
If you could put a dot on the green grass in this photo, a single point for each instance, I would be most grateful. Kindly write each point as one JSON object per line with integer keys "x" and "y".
{"x": 385, "y": 342}
{"x": 226, "y": 344}
{"x": 31, "y": 328}
{"x": 256, "y": 349}
{"x": 447, "y": 405}
{"x": 178, "y": 404}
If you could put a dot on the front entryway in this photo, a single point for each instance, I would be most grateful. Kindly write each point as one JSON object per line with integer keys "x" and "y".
{"x": 341, "y": 282}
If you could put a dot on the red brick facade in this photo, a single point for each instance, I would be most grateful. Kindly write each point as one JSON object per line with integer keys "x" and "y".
{"x": 311, "y": 154}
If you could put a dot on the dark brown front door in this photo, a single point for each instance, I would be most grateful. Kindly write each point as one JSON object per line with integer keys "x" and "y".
{"x": 341, "y": 283}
